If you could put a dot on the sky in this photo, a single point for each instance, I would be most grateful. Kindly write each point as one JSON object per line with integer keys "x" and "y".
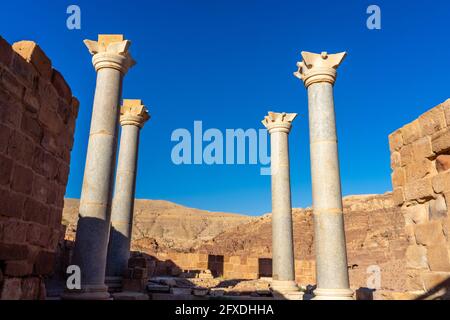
{"x": 227, "y": 63}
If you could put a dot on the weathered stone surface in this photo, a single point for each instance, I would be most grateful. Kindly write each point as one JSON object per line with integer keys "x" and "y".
{"x": 422, "y": 148}
{"x": 419, "y": 189}
{"x": 395, "y": 141}
{"x": 416, "y": 257}
{"x": 430, "y": 233}
{"x": 411, "y": 132}
{"x": 438, "y": 257}
{"x": 395, "y": 159}
{"x": 441, "y": 182}
{"x": 11, "y": 289}
{"x": 432, "y": 121}
{"x": 441, "y": 141}
{"x": 31, "y": 52}
{"x": 443, "y": 162}
{"x": 431, "y": 280}
{"x": 398, "y": 177}
{"x": 31, "y": 288}
{"x": 416, "y": 213}
{"x": 398, "y": 196}
{"x": 61, "y": 86}
{"x": 438, "y": 208}
{"x": 419, "y": 169}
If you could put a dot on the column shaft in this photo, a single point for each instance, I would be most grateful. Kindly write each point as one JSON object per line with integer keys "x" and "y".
{"x": 330, "y": 246}
{"x": 123, "y": 203}
{"x": 93, "y": 224}
{"x": 282, "y": 238}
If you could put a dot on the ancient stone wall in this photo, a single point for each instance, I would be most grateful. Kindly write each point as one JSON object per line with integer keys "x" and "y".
{"x": 227, "y": 266}
{"x": 37, "y": 122}
{"x": 420, "y": 161}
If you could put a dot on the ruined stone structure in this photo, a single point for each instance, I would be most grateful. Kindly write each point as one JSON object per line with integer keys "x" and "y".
{"x": 420, "y": 161}
{"x": 37, "y": 123}
{"x": 318, "y": 73}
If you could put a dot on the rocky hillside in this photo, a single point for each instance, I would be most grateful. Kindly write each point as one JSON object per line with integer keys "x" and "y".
{"x": 162, "y": 225}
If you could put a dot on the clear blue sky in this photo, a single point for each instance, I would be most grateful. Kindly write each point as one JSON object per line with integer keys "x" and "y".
{"x": 229, "y": 62}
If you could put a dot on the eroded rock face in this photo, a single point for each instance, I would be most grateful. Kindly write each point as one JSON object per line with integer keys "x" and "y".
{"x": 160, "y": 226}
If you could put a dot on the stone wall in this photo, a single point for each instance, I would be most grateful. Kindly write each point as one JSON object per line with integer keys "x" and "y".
{"x": 227, "y": 266}
{"x": 420, "y": 161}
{"x": 37, "y": 123}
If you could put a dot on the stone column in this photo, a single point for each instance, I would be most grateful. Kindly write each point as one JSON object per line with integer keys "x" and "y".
{"x": 283, "y": 269}
{"x": 318, "y": 72}
{"x": 111, "y": 60}
{"x": 132, "y": 118}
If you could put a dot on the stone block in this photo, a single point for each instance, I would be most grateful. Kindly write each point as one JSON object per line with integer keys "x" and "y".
{"x": 140, "y": 273}
{"x": 6, "y": 52}
{"x": 430, "y": 233}
{"x": 24, "y": 71}
{"x": 35, "y": 211}
{"x": 41, "y": 188}
{"x": 432, "y": 121}
{"x": 443, "y": 162}
{"x": 15, "y": 231}
{"x": 31, "y": 101}
{"x": 395, "y": 141}
{"x": 32, "y": 53}
{"x": 438, "y": 208}
{"x": 5, "y": 134}
{"x": 398, "y": 196}
{"x": 45, "y": 263}
{"x": 422, "y": 148}
{"x": 134, "y": 262}
{"x": 418, "y": 169}
{"x": 18, "y": 268}
{"x": 441, "y": 182}
{"x": 22, "y": 179}
{"x": 395, "y": 159}
{"x": 44, "y": 163}
{"x": 31, "y": 288}
{"x": 31, "y": 127}
{"x": 419, "y": 189}
{"x": 21, "y": 148}
{"x": 6, "y": 166}
{"x": 11, "y": 85}
{"x": 13, "y": 251}
{"x": 398, "y": 177}
{"x": 49, "y": 118}
{"x": 61, "y": 86}
{"x": 136, "y": 285}
{"x": 11, "y": 204}
{"x": 441, "y": 141}
{"x": 11, "y": 289}
{"x": 438, "y": 258}
{"x": 411, "y": 132}
{"x": 416, "y": 257}
{"x": 406, "y": 155}
{"x": 446, "y": 107}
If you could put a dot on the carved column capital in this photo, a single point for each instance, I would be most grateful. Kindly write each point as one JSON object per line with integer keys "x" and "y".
{"x": 110, "y": 51}
{"x": 279, "y": 122}
{"x": 133, "y": 112}
{"x": 319, "y": 67}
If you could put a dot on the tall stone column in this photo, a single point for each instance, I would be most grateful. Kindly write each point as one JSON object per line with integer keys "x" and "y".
{"x": 318, "y": 72}
{"x": 132, "y": 118}
{"x": 111, "y": 60}
{"x": 283, "y": 269}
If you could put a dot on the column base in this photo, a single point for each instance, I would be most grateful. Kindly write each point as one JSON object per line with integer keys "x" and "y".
{"x": 114, "y": 284}
{"x": 87, "y": 292}
{"x": 333, "y": 294}
{"x": 286, "y": 289}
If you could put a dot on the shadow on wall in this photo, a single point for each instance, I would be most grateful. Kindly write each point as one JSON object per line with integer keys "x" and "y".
{"x": 438, "y": 292}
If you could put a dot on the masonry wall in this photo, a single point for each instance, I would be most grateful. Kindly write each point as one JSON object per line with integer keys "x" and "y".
{"x": 420, "y": 161}
{"x": 37, "y": 122}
